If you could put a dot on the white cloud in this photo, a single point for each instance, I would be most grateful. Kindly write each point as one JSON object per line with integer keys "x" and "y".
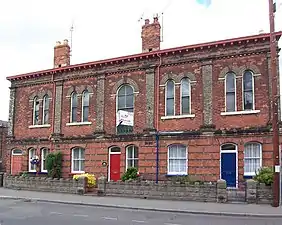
{"x": 110, "y": 28}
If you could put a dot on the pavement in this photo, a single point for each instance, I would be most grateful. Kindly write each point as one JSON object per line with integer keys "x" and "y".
{"x": 15, "y": 212}
{"x": 223, "y": 209}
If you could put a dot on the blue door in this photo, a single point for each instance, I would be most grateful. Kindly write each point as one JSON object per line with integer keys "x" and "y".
{"x": 228, "y": 168}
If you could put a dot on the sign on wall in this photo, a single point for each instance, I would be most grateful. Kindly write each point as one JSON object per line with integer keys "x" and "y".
{"x": 124, "y": 118}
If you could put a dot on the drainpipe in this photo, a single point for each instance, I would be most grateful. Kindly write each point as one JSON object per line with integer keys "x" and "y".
{"x": 53, "y": 110}
{"x": 157, "y": 117}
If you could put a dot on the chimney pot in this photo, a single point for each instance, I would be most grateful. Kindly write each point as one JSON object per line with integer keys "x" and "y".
{"x": 147, "y": 21}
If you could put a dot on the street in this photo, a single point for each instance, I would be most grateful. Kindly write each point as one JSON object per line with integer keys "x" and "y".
{"x": 15, "y": 212}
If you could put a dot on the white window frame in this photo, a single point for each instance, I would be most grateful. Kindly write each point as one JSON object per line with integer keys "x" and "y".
{"x": 260, "y": 158}
{"x": 29, "y": 158}
{"x": 43, "y": 109}
{"x": 190, "y": 99}
{"x": 253, "y": 90}
{"x": 235, "y": 91}
{"x": 82, "y": 106}
{"x": 71, "y": 99}
{"x": 186, "y": 160}
{"x": 43, "y": 159}
{"x": 134, "y": 157}
{"x": 80, "y": 159}
{"x": 173, "y": 97}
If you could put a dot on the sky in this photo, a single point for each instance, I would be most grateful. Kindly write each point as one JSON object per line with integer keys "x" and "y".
{"x": 104, "y": 29}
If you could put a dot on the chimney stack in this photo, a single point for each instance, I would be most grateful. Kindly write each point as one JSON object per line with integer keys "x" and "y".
{"x": 61, "y": 54}
{"x": 151, "y": 35}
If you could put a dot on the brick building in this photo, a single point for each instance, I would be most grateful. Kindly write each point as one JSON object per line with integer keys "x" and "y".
{"x": 201, "y": 110}
{"x": 3, "y": 135}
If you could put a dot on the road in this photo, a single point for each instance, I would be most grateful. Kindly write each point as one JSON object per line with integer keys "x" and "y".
{"x": 15, "y": 212}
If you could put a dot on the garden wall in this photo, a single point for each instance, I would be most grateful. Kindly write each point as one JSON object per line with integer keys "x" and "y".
{"x": 254, "y": 193}
{"x": 46, "y": 184}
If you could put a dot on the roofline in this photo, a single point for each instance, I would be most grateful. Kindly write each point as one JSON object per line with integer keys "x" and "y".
{"x": 147, "y": 54}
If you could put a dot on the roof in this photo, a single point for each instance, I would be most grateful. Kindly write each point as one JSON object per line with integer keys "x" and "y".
{"x": 207, "y": 45}
{"x": 3, "y": 123}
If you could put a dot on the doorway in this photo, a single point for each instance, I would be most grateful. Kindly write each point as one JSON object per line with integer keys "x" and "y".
{"x": 114, "y": 163}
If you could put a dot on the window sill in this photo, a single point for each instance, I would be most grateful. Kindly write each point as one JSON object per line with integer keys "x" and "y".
{"x": 77, "y": 172}
{"x": 249, "y": 174}
{"x": 178, "y": 117}
{"x": 240, "y": 113}
{"x": 176, "y": 174}
{"x": 39, "y": 126}
{"x": 79, "y": 124}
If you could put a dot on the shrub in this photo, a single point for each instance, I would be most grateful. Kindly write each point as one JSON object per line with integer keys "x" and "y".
{"x": 130, "y": 174}
{"x": 91, "y": 179}
{"x": 265, "y": 175}
{"x": 187, "y": 179}
{"x": 54, "y": 164}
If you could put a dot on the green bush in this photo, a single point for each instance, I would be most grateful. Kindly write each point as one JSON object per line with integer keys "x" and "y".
{"x": 130, "y": 174}
{"x": 54, "y": 164}
{"x": 186, "y": 179}
{"x": 265, "y": 175}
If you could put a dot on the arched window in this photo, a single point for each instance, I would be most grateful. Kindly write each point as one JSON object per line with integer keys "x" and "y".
{"x": 45, "y": 110}
{"x": 185, "y": 96}
{"x": 31, "y": 154}
{"x": 230, "y": 92}
{"x": 126, "y": 98}
{"x": 73, "y": 116}
{"x": 169, "y": 98}
{"x": 44, "y": 153}
{"x": 248, "y": 91}
{"x": 78, "y": 160}
{"x": 131, "y": 156}
{"x": 125, "y": 103}
{"x": 35, "y": 111}
{"x": 177, "y": 159}
{"x": 252, "y": 158}
{"x": 85, "y": 106}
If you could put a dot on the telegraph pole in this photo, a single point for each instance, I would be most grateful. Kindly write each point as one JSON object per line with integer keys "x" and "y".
{"x": 275, "y": 126}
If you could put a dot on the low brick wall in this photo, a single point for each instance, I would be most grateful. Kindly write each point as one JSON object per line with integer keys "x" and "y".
{"x": 254, "y": 193}
{"x": 45, "y": 184}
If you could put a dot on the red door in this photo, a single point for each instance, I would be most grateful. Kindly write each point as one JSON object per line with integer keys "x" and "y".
{"x": 16, "y": 164}
{"x": 115, "y": 167}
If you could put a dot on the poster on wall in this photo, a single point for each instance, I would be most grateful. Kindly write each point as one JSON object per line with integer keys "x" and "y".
{"x": 124, "y": 118}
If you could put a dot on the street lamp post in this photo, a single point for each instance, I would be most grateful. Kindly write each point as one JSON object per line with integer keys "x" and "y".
{"x": 274, "y": 101}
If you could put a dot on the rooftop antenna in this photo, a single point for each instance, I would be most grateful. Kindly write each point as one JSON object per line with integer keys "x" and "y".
{"x": 141, "y": 18}
{"x": 71, "y": 31}
{"x": 162, "y": 18}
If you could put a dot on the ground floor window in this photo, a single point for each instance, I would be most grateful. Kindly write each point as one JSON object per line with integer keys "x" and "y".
{"x": 78, "y": 160}
{"x": 177, "y": 160}
{"x": 132, "y": 156}
{"x": 31, "y": 154}
{"x": 252, "y": 158}
{"x": 44, "y": 153}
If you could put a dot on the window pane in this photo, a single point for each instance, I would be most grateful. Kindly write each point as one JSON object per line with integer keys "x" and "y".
{"x": 185, "y": 105}
{"x": 73, "y": 115}
{"x": 228, "y": 147}
{"x": 185, "y": 87}
{"x": 230, "y": 82}
{"x": 46, "y": 102}
{"x": 230, "y": 102}
{"x": 76, "y": 165}
{"x": 248, "y": 100}
{"x": 135, "y": 152}
{"x": 170, "y": 89}
{"x": 46, "y": 117}
{"x": 170, "y": 107}
{"x": 76, "y": 154}
{"x": 85, "y": 113}
{"x": 85, "y": 98}
{"x": 115, "y": 149}
{"x": 82, "y": 165}
{"x": 129, "y": 101}
{"x": 248, "y": 81}
{"x": 130, "y": 152}
{"x": 128, "y": 90}
{"x": 82, "y": 154}
{"x": 74, "y": 100}
{"x": 121, "y": 102}
{"x": 121, "y": 91}
{"x": 135, "y": 163}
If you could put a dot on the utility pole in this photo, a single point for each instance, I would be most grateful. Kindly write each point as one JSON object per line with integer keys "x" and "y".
{"x": 275, "y": 126}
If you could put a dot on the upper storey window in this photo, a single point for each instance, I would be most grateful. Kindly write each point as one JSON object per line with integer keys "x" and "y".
{"x": 45, "y": 110}
{"x": 85, "y": 106}
{"x": 73, "y": 117}
{"x": 230, "y": 92}
{"x": 170, "y": 111}
{"x": 36, "y": 111}
{"x": 185, "y": 96}
{"x": 248, "y": 91}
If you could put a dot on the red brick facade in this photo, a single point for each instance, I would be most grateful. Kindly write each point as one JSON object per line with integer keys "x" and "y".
{"x": 203, "y": 131}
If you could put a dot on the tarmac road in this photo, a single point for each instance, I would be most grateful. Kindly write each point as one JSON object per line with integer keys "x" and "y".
{"x": 19, "y": 212}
